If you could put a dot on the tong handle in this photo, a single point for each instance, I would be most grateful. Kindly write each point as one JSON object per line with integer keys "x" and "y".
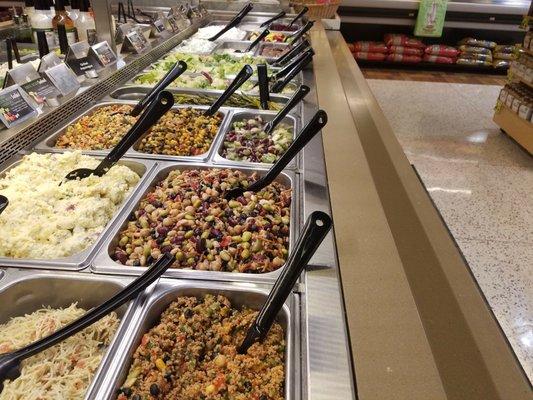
{"x": 319, "y": 120}
{"x": 161, "y": 104}
{"x": 315, "y": 230}
{"x": 275, "y": 17}
{"x": 300, "y": 15}
{"x": 294, "y": 100}
{"x": 239, "y": 80}
{"x": 178, "y": 69}
{"x": 234, "y": 22}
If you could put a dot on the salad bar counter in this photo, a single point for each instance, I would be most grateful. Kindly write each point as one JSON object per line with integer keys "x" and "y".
{"x": 166, "y": 235}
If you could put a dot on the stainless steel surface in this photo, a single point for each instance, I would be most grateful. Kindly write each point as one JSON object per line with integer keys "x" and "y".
{"x": 251, "y": 296}
{"x": 267, "y": 116}
{"x": 320, "y": 361}
{"x": 103, "y": 263}
{"x": 103, "y": 19}
{"x": 136, "y": 92}
{"x": 143, "y": 168}
{"x": 28, "y": 291}
{"x": 49, "y": 143}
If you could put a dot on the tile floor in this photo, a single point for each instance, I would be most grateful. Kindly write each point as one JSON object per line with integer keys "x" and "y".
{"x": 482, "y": 184}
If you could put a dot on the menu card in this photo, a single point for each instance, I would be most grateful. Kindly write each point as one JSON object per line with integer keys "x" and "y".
{"x": 15, "y": 106}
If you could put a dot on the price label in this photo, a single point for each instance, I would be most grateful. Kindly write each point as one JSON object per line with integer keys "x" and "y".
{"x": 63, "y": 79}
{"x": 104, "y": 53}
{"x": 15, "y": 106}
{"x": 173, "y": 23}
{"x": 40, "y": 90}
{"x": 136, "y": 42}
{"x": 159, "y": 25}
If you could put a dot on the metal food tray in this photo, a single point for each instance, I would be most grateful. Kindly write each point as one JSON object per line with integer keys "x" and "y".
{"x": 136, "y": 92}
{"x": 253, "y": 23}
{"x": 166, "y": 292}
{"x": 29, "y": 291}
{"x": 78, "y": 261}
{"x": 48, "y": 144}
{"x": 104, "y": 264}
{"x": 267, "y": 117}
{"x": 264, "y": 45}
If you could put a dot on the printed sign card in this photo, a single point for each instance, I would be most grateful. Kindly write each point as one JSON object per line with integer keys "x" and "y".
{"x": 15, "y": 106}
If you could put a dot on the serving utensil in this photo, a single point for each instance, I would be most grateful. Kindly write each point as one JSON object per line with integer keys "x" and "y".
{"x": 279, "y": 85}
{"x": 295, "y": 99}
{"x": 10, "y": 362}
{"x": 261, "y": 36}
{"x": 162, "y": 103}
{"x": 316, "y": 123}
{"x": 4, "y": 202}
{"x": 315, "y": 230}
{"x": 285, "y": 70}
{"x": 282, "y": 60}
{"x": 234, "y": 22}
{"x": 239, "y": 80}
{"x": 299, "y": 15}
{"x": 297, "y": 35}
{"x": 264, "y": 90}
{"x": 179, "y": 68}
{"x": 274, "y": 18}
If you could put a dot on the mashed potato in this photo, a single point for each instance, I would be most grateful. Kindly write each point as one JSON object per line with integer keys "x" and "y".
{"x": 45, "y": 220}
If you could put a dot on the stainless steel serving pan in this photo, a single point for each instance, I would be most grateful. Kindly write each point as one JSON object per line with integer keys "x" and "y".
{"x": 48, "y": 144}
{"x": 143, "y": 168}
{"x": 265, "y": 45}
{"x": 28, "y": 291}
{"x": 245, "y": 115}
{"x": 104, "y": 264}
{"x": 254, "y": 23}
{"x": 136, "y": 92}
{"x": 167, "y": 291}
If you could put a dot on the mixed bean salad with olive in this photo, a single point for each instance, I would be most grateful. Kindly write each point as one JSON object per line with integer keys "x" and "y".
{"x": 248, "y": 142}
{"x": 180, "y": 132}
{"x": 187, "y": 215}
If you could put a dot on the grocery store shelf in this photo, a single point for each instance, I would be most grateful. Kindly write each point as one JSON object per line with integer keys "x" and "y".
{"x": 519, "y": 129}
{"x": 432, "y": 67}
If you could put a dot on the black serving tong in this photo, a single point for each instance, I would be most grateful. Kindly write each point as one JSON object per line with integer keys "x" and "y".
{"x": 282, "y": 60}
{"x": 141, "y": 12}
{"x": 294, "y": 63}
{"x": 264, "y": 90}
{"x": 14, "y": 49}
{"x": 4, "y": 202}
{"x": 279, "y": 85}
{"x": 297, "y": 35}
{"x": 239, "y": 80}
{"x": 315, "y": 230}
{"x": 179, "y": 68}
{"x": 10, "y": 362}
{"x": 255, "y": 42}
{"x": 294, "y": 100}
{"x": 300, "y": 15}
{"x": 121, "y": 12}
{"x": 234, "y": 22}
{"x": 9, "y": 49}
{"x": 161, "y": 104}
{"x": 274, "y": 18}
{"x": 318, "y": 121}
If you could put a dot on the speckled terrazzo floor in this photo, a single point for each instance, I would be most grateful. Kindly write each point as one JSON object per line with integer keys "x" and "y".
{"x": 482, "y": 184}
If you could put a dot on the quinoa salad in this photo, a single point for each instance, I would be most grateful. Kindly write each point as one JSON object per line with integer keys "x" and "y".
{"x": 191, "y": 354}
{"x": 45, "y": 220}
{"x": 187, "y": 215}
{"x": 180, "y": 132}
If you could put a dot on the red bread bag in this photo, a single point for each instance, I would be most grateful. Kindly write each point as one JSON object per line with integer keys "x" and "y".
{"x": 442, "y": 50}
{"x": 403, "y": 58}
{"x": 401, "y": 40}
{"x": 412, "y": 51}
{"x": 363, "y": 55}
{"x": 371, "y": 47}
